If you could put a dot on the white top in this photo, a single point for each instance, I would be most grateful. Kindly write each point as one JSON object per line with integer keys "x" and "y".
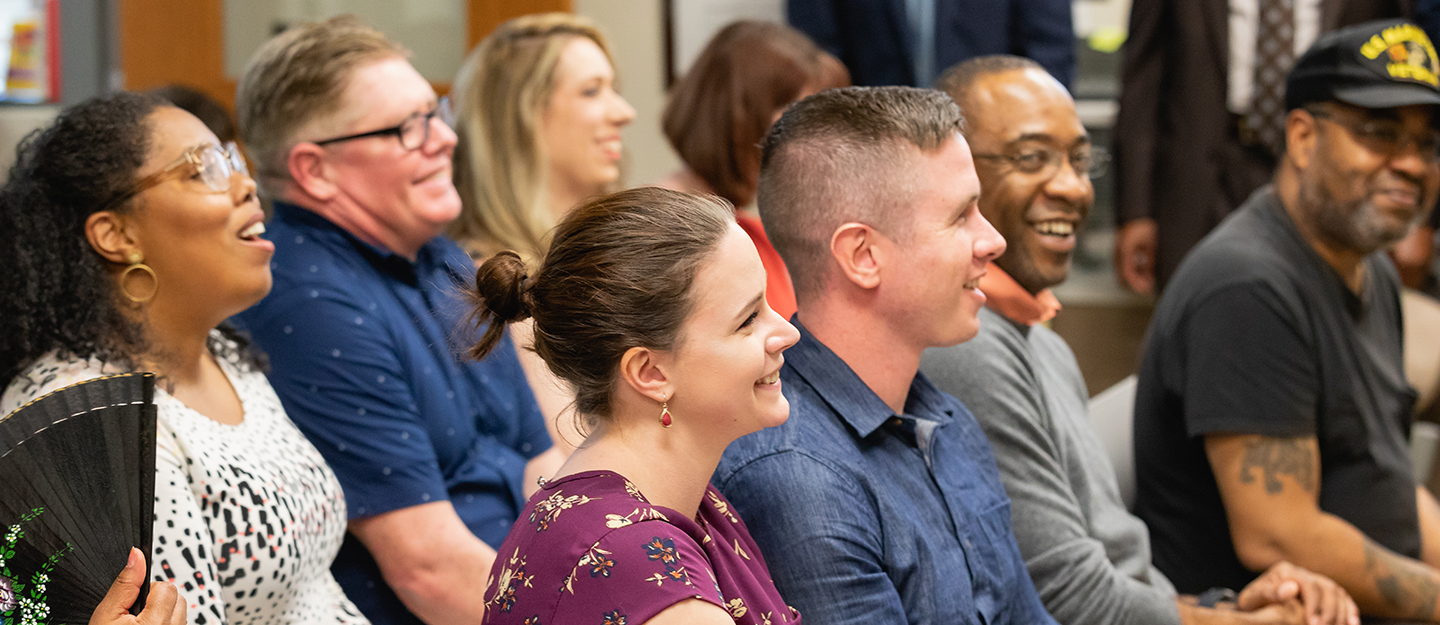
{"x": 1244, "y": 23}
{"x": 248, "y": 517}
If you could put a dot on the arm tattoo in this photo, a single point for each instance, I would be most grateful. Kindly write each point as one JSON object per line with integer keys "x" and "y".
{"x": 1406, "y": 586}
{"x": 1276, "y": 457}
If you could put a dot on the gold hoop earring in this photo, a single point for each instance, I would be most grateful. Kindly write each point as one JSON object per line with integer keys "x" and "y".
{"x": 665, "y": 419}
{"x": 137, "y": 263}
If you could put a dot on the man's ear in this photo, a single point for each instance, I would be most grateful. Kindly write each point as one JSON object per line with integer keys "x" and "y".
{"x": 107, "y": 235}
{"x": 854, "y": 248}
{"x": 310, "y": 169}
{"x": 1301, "y": 137}
{"x": 644, "y": 370}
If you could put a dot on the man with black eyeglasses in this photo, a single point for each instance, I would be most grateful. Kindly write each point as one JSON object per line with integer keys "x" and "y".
{"x": 1272, "y": 414}
{"x": 365, "y": 326}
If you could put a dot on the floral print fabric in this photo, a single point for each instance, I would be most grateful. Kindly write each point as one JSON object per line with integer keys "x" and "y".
{"x": 590, "y": 549}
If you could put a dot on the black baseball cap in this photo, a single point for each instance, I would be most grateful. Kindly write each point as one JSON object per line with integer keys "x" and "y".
{"x": 1379, "y": 64}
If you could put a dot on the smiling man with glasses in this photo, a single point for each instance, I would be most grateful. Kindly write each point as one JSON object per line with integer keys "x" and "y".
{"x": 1088, "y": 556}
{"x": 364, "y": 326}
{"x": 1272, "y": 413}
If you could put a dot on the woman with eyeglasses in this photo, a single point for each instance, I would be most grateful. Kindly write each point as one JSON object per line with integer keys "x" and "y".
{"x": 129, "y": 234}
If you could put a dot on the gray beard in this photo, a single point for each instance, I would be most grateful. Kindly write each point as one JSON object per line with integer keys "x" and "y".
{"x": 1355, "y": 225}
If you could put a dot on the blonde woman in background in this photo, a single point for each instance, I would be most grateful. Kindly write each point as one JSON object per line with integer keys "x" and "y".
{"x": 539, "y": 124}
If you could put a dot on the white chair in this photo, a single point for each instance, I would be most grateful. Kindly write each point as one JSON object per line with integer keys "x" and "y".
{"x": 1112, "y": 414}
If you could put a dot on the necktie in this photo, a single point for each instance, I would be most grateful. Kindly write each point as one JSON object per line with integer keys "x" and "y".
{"x": 1274, "y": 54}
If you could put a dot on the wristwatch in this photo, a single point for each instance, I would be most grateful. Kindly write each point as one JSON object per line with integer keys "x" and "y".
{"x": 1210, "y": 598}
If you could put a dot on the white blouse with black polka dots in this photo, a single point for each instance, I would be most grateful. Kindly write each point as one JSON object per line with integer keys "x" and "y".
{"x": 247, "y": 517}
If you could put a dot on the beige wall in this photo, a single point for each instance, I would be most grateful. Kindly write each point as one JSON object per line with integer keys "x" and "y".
{"x": 637, "y": 39}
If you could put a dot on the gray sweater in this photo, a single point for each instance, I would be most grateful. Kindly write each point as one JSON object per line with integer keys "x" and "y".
{"x": 1089, "y": 557}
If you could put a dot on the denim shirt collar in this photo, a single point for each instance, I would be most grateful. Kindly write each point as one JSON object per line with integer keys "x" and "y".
{"x": 853, "y": 400}
{"x": 392, "y": 264}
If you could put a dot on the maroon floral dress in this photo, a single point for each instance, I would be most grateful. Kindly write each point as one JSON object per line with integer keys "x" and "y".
{"x": 588, "y": 549}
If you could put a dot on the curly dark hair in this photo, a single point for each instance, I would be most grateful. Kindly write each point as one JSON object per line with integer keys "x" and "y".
{"x": 58, "y": 292}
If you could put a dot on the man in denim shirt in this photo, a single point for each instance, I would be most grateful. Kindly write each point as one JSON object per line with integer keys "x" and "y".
{"x": 879, "y": 500}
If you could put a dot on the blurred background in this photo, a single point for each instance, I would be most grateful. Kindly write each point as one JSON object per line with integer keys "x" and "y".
{"x": 60, "y": 52}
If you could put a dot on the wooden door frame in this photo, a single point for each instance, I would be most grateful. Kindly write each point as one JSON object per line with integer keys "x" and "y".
{"x": 183, "y": 41}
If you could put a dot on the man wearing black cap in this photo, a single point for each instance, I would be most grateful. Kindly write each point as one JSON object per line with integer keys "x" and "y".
{"x": 1272, "y": 415}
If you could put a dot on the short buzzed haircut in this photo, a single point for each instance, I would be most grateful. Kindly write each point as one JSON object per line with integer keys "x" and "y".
{"x": 841, "y": 156}
{"x": 960, "y": 78}
{"x": 296, "y": 78}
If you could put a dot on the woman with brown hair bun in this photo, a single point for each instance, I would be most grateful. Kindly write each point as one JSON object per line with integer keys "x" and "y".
{"x": 650, "y": 304}
{"x": 720, "y": 111}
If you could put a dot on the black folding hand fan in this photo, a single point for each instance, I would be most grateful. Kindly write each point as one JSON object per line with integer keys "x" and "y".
{"x": 77, "y": 491}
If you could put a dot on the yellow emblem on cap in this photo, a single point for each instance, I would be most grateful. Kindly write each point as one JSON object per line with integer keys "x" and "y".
{"x": 1409, "y": 53}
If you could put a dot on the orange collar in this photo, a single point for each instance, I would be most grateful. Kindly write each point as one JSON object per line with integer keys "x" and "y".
{"x": 1005, "y": 296}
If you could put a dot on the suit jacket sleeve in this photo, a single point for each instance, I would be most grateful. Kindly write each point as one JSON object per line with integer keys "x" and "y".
{"x": 1044, "y": 30}
{"x": 816, "y": 18}
{"x": 1137, "y": 126}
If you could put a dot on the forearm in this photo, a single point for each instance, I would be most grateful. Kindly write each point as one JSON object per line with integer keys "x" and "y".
{"x": 1429, "y": 514}
{"x": 431, "y": 560}
{"x": 1382, "y": 582}
{"x": 447, "y": 589}
{"x": 1192, "y": 614}
{"x": 1270, "y": 487}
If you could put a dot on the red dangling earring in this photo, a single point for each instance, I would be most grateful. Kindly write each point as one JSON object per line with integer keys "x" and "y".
{"x": 665, "y": 419}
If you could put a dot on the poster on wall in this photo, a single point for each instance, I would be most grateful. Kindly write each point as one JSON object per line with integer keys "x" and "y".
{"x": 689, "y": 25}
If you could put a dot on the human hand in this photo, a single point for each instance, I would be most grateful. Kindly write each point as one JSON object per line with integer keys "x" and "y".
{"x": 1289, "y": 612}
{"x": 1324, "y": 602}
{"x": 1135, "y": 245}
{"x": 162, "y": 606}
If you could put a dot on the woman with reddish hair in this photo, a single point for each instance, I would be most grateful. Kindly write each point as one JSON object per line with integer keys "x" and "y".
{"x": 722, "y": 109}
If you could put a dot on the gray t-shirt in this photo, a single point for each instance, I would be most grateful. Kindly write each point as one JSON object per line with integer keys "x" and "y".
{"x": 1088, "y": 556}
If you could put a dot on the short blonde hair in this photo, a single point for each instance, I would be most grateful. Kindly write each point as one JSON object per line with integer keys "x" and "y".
{"x": 499, "y": 162}
{"x": 296, "y": 78}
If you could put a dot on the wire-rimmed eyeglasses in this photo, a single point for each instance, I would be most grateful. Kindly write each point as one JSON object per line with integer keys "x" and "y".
{"x": 1088, "y": 161}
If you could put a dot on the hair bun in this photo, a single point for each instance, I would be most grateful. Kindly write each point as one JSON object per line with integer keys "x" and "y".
{"x": 503, "y": 285}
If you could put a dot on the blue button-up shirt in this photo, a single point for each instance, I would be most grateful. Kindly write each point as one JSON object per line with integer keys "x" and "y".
{"x": 367, "y": 354}
{"x": 866, "y": 516}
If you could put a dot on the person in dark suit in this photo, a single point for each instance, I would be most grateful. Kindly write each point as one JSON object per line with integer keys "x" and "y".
{"x": 1184, "y": 156}
{"x": 878, "y": 40}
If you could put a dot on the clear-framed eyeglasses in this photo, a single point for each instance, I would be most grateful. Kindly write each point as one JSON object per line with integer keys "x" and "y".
{"x": 216, "y": 166}
{"x": 412, "y": 133}
{"x": 1087, "y": 161}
